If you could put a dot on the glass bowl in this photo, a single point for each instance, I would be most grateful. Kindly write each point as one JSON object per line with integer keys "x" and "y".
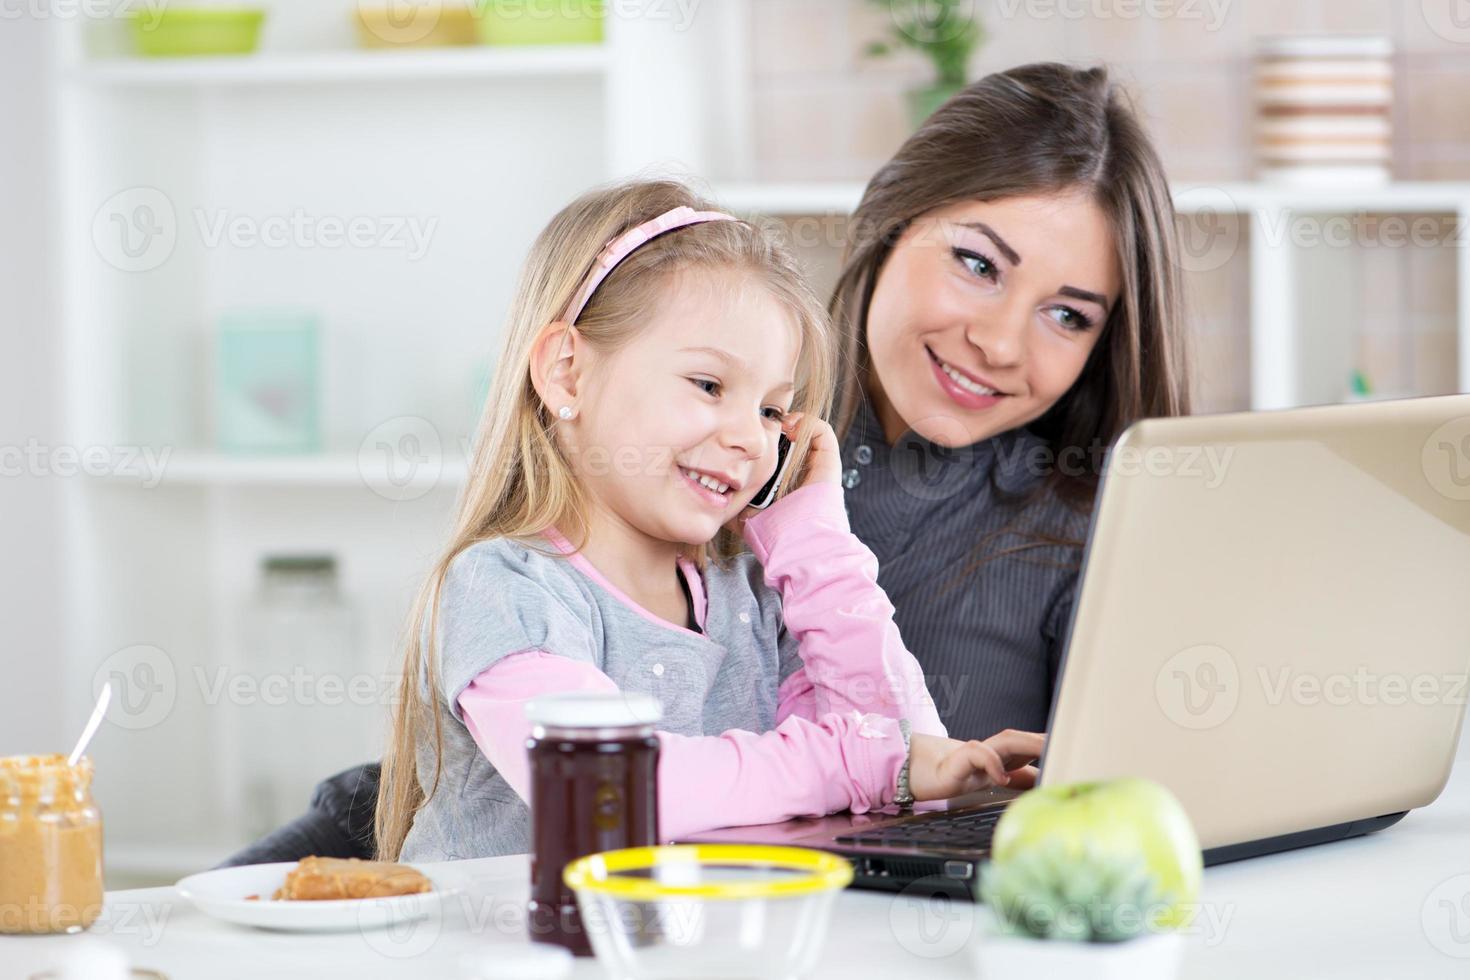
{"x": 713, "y": 911}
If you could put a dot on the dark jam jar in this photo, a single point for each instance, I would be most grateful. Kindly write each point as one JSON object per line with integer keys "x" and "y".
{"x": 594, "y": 759}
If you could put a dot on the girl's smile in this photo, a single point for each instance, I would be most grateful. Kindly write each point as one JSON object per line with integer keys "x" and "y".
{"x": 711, "y": 488}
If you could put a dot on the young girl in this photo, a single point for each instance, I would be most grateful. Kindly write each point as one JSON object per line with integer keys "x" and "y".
{"x": 655, "y": 352}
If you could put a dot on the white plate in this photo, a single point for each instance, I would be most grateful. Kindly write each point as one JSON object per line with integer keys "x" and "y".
{"x": 221, "y": 894}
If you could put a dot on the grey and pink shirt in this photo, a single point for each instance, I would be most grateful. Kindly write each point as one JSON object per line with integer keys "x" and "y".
{"x": 783, "y": 704}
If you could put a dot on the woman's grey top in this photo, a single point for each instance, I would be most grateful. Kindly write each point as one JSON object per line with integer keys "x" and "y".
{"x": 990, "y": 640}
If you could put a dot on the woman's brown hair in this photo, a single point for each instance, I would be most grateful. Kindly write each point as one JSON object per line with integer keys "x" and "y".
{"x": 1036, "y": 130}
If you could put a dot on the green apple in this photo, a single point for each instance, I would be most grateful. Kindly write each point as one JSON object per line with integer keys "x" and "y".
{"x": 1122, "y": 818}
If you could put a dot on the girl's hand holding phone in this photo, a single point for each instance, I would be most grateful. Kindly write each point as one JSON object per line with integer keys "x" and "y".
{"x": 823, "y": 462}
{"x": 824, "y": 458}
{"x": 943, "y": 767}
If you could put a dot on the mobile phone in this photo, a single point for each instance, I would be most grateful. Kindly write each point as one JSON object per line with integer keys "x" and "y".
{"x": 767, "y": 493}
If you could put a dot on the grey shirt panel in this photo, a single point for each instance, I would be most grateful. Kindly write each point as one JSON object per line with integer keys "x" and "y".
{"x": 989, "y": 640}
{"x": 502, "y": 597}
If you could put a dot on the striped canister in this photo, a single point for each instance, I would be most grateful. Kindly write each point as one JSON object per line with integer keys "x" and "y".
{"x": 1323, "y": 109}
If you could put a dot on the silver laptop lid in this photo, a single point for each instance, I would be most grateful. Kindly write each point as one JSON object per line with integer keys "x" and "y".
{"x": 1275, "y": 615}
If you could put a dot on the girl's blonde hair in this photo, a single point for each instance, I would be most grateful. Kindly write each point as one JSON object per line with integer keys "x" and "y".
{"x": 521, "y": 482}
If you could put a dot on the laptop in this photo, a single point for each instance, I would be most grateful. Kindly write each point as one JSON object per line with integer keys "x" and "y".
{"x": 1273, "y": 622}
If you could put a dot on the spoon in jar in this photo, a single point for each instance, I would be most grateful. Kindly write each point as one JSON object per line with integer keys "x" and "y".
{"x": 103, "y": 697}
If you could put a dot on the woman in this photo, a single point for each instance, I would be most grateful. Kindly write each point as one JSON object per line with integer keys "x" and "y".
{"x": 1009, "y": 302}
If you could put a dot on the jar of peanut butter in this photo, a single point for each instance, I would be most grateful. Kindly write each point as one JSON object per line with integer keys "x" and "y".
{"x": 50, "y": 845}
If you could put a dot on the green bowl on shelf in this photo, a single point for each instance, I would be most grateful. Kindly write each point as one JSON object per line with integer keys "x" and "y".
{"x": 511, "y": 23}
{"x": 183, "y": 31}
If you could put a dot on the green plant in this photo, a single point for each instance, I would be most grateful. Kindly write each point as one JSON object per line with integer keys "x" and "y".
{"x": 1051, "y": 892}
{"x": 947, "y": 32}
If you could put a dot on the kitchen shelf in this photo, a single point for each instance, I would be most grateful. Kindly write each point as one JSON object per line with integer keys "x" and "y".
{"x": 486, "y": 143}
{"x": 1264, "y": 209}
{"x": 316, "y": 470}
{"x": 815, "y": 197}
{"x": 1409, "y": 197}
{"x": 346, "y": 67}
{"x": 1235, "y": 197}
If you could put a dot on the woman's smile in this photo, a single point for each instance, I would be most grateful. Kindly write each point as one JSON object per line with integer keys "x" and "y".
{"x": 963, "y": 389}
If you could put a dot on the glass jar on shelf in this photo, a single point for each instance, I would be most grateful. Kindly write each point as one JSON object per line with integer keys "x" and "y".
{"x": 309, "y": 707}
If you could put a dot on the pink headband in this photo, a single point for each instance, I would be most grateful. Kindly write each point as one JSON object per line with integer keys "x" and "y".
{"x": 619, "y": 248}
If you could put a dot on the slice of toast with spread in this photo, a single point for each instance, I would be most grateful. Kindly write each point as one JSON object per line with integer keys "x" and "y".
{"x": 324, "y": 879}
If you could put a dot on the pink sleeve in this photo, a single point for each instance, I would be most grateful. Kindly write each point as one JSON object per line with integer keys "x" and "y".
{"x": 853, "y": 656}
{"x": 802, "y": 768}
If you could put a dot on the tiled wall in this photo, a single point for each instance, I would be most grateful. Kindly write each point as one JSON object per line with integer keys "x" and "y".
{"x": 825, "y": 110}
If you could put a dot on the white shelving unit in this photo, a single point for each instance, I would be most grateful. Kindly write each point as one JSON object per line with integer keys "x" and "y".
{"x": 329, "y": 67}
{"x": 1265, "y": 211}
{"x": 480, "y": 144}
{"x": 486, "y": 144}
{"x": 821, "y": 197}
{"x": 326, "y": 470}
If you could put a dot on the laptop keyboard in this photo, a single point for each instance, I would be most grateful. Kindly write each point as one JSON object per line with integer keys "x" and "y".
{"x": 965, "y": 831}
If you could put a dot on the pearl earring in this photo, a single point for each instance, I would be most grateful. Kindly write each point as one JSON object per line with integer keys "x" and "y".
{"x": 564, "y": 413}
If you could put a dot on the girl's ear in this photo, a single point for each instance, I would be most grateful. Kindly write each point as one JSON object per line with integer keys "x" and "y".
{"x": 556, "y": 366}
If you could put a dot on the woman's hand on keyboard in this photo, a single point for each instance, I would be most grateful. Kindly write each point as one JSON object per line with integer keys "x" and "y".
{"x": 943, "y": 767}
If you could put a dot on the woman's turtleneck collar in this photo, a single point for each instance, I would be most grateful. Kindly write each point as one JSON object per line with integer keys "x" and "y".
{"x": 1019, "y": 455}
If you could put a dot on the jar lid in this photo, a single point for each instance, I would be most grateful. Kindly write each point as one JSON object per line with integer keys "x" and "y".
{"x": 44, "y": 775}
{"x": 594, "y": 709}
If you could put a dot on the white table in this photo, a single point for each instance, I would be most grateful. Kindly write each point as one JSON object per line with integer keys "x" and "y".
{"x": 1392, "y": 904}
